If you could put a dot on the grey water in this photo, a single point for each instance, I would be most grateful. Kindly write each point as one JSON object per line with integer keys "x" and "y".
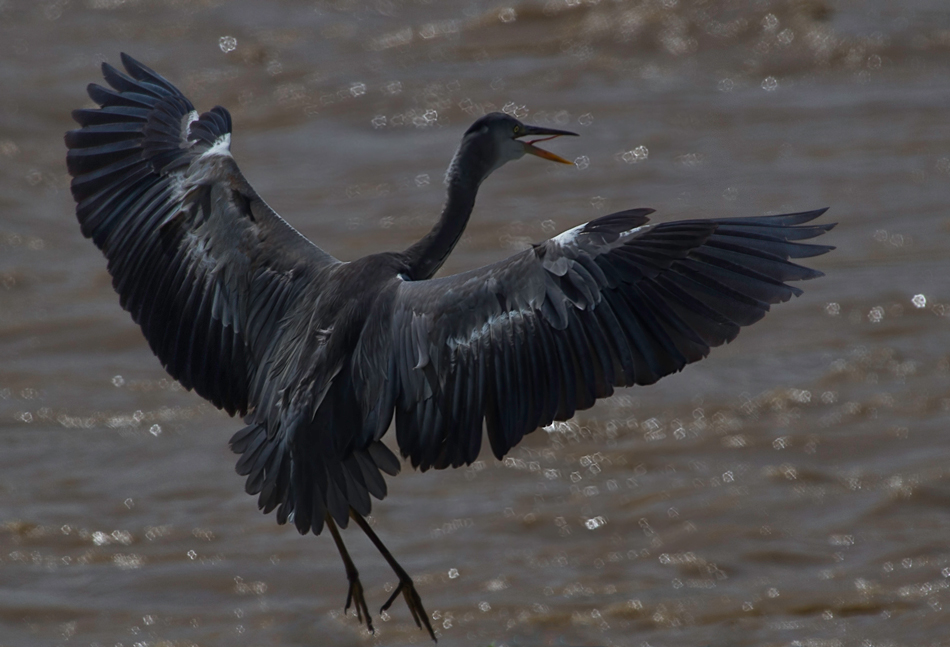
{"x": 793, "y": 489}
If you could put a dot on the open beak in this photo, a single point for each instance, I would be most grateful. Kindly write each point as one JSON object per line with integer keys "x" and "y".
{"x": 545, "y": 134}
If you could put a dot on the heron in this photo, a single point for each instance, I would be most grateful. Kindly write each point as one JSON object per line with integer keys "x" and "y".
{"x": 320, "y": 356}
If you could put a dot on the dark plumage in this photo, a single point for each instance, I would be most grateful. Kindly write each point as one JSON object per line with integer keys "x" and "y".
{"x": 319, "y": 356}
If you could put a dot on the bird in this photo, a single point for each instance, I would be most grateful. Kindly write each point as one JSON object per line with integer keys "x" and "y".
{"x": 320, "y": 357}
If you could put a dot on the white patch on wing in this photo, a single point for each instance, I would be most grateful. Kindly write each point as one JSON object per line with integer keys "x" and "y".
{"x": 568, "y": 237}
{"x": 221, "y": 146}
{"x": 186, "y": 122}
{"x": 631, "y": 232}
{"x": 179, "y": 190}
{"x": 485, "y": 329}
{"x": 322, "y": 335}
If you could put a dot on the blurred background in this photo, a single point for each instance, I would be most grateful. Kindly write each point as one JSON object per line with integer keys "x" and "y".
{"x": 793, "y": 489}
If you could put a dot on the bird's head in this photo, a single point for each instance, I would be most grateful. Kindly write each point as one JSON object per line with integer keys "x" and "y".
{"x": 498, "y": 138}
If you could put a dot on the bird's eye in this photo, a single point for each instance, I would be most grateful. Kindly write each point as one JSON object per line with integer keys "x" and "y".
{"x": 517, "y": 130}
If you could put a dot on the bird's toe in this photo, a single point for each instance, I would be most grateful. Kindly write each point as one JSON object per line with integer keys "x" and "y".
{"x": 413, "y": 601}
{"x": 356, "y": 598}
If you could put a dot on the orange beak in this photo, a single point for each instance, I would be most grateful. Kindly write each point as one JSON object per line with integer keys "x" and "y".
{"x": 531, "y": 149}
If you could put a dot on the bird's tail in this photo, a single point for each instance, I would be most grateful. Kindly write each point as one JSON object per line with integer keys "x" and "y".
{"x": 305, "y": 481}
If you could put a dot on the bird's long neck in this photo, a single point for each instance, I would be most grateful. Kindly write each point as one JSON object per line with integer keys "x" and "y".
{"x": 427, "y": 256}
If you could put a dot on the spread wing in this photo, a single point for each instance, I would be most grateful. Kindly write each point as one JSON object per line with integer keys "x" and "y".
{"x": 204, "y": 266}
{"x": 222, "y": 287}
{"x": 534, "y": 338}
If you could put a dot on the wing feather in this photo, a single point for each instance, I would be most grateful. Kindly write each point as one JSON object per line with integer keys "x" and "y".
{"x": 222, "y": 289}
{"x": 179, "y": 230}
{"x": 616, "y": 302}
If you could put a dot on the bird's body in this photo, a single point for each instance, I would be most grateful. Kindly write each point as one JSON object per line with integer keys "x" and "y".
{"x": 320, "y": 356}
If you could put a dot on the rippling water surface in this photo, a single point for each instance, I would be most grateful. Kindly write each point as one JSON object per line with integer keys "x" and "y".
{"x": 793, "y": 489}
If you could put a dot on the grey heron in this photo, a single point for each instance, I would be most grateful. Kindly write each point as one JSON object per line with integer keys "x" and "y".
{"x": 320, "y": 356}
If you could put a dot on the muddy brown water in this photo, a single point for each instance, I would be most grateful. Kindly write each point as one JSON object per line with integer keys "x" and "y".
{"x": 793, "y": 489}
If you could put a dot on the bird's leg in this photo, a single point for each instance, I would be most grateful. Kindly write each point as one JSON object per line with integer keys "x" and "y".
{"x": 355, "y": 594}
{"x": 405, "y": 586}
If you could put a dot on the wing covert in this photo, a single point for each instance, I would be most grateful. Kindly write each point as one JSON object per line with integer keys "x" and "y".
{"x": 543, "y": 334}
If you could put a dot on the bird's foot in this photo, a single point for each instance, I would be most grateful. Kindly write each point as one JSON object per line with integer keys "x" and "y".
{"x": 355, "y": 597}
{"x": 413, "y": 601}
{"x": 405, "y": 586}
